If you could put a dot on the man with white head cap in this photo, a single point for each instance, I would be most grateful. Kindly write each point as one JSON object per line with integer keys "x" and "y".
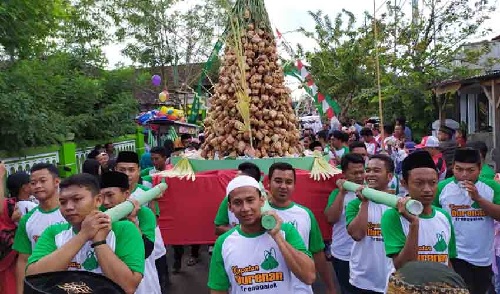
{"x": 249, "y": 258}
{"x": 282, "y": 181}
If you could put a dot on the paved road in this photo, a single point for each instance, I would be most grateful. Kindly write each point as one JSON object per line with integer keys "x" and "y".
{"x": 193, "y": 279}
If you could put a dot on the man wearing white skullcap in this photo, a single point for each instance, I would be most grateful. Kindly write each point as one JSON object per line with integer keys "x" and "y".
{"x": 249, "y": 258}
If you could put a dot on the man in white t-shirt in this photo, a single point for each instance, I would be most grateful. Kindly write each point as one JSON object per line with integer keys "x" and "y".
{"x": 225, "y": 220}
{"x": 89, "y": 241}
{"x": 353, "y": 169}
{"x": 248, "y": 258}
{"x": 127, "y": 162}
{"x": 427, "y": 237}
{"x": 473, "y": 203}
{"x": 115, "y": 190}
{"x": 44, "y": 182}
{"x": 281, "y": 186}
{"x": 369, "y": 267}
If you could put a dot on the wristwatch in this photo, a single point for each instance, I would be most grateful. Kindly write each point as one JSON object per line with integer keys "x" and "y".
{"x": 95, "y": 244}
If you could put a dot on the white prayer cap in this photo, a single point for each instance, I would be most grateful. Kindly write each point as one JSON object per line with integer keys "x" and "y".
{"x": 241, "y": 181}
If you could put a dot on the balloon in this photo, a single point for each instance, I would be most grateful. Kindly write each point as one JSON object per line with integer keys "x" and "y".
{"x": 163, "y": 110}
{"x": 170, "y": 111}
{"x": 163, "y": 96}
{"x": 156, "y": 80}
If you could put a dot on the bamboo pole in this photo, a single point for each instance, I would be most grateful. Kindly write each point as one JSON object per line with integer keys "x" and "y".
{"x": 377, "y": 59}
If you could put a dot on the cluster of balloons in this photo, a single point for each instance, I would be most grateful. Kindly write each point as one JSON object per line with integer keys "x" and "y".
{"x": 172, "y": 113}
{"x": 156, "y": 81}
{"x": 164, "y": 112}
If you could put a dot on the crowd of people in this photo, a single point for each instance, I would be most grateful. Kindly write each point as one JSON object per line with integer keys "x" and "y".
{"x": 49, "y": 224}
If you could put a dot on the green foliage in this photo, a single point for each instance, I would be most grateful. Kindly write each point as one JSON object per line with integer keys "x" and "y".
{"x": 414, "y": 54}
{"x": 45, "y": 99}
{"x": 159, "y": 34}
{"x": 25, "y": 25}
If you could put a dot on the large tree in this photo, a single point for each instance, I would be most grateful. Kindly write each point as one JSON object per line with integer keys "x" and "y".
{"x": 161, "y": 33}
{"x": 25, "y": 26}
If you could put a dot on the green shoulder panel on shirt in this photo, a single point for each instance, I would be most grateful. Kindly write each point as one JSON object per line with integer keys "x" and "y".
{"x": 145, "y": 172}
{"x": 22, "y": 242}
{"x": 147, "y": 178}
{"x": 46, "y": 244}
{"x": 293, "y": 237}
{"x": 218, "y": 279}
{"x": 129, "y": 245}
{"x": 139, "y": 186}
{"x": 316, "y": 242}
{"x": 487, "y": 172}
{"x": 495, "y": 187}
{"x": 440, "y": 188}
{"x": 222, "y": 217}
{"x": 352, "y": 210}
{"x": 147, "y": 222}
{"x": 332, "y": 198}
{"x": 452, "y": 246}
{"x": 392, "y": 231}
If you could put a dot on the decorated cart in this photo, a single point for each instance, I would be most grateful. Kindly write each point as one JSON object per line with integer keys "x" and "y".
{"x": 250, "y": 115}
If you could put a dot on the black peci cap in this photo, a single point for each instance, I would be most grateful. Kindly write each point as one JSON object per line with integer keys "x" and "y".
{"x": 114, "y": 179}
{"x": 127, "y": 156}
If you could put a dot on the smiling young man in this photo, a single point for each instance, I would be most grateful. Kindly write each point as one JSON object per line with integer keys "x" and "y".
{"x": 353, "y": 169}
{"x": 249, "y": 258}
{"x": 89, "y": 242}
{"x": 369, "y": 267}
{"x": 281, "y": 187}
{"x": 473, "y": 203}
{"x": 115, "y": 190}
{"x": 44, "y": 182}
{"x": 225, "y": 220}
{"x": 427, "y": 237}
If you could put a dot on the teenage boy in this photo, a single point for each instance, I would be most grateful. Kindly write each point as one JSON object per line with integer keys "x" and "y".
{"x": 369, "y": 267}
{"x": 486, "y": 171}
{"x": 353, "y": 169}
{"x": 473, "y": 203}
{"x": 127, "y": 162}
{"x": 281, "y": 187}
{"x": 159, "y": 159}
{"x": 44, "y": 182}
{"x": 249, "y": 258}
{"x": 115, "y": 190}
{"x": 428, "y": 236}
{"x": 225, "y": 220}
{"x": 89, "y": 242}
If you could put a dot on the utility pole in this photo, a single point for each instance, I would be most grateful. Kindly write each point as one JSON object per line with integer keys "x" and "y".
{"x": 415, "y": 13}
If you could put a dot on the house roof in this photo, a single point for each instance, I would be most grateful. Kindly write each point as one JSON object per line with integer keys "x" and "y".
{"x": 495, "y": 74}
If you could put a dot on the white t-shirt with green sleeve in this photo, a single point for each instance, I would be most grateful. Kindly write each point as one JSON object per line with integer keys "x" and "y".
{"x": 370, "y": 268}
{"x": 124, "y": 240}
{"x": 305, "y": 223}
{"x": 31, "y": 227}
{"x": 436, "y": 237}
{"x": 243, "y": 263}
{"x": 341, "y": 241}
{"x": 474, "y": 230}
{"x": 224, "y": 216}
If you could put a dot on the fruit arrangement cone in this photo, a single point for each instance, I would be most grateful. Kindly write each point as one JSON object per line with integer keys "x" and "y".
{"x": 251, "y": 107}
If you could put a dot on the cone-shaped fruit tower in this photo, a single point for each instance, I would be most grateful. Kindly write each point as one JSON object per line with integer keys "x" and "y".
{"x": 251, "y": 105}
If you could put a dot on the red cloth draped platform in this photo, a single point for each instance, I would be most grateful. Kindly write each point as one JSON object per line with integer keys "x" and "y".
{"x": 188, "y": 209}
